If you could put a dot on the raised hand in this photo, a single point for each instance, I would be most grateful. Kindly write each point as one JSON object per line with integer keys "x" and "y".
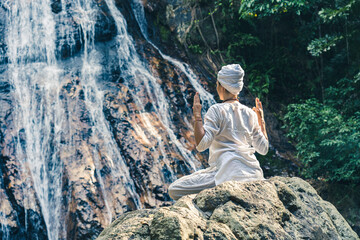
{"x": 259, "y": 111}
{"x": 260, "y": 115}
{"x": 197, "y": 107}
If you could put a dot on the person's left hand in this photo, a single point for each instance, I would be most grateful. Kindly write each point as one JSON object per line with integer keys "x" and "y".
{"x": 197, "y": 107}
{"x": 260, "y": 116}
{"x": 259, "y": 111}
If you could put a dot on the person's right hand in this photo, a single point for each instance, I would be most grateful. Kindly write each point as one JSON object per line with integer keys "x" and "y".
{"x": 197, "y": 107}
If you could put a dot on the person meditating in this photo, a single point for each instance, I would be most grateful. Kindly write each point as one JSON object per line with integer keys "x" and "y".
{"x": 232, "y": 131}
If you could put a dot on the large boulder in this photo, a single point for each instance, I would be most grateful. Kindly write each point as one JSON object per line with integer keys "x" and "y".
{"x": 277, "y": 208}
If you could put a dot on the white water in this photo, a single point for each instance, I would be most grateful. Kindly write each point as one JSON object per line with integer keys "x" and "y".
{"x": 34, "y": 74}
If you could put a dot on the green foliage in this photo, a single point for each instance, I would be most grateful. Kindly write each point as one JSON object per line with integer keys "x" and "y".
{"x": 344, "y": 95}
{"x": 327, "y": 135}
{"x": 327, "y": 143}
{"x": 260, "y": 82}
{"x": 253, "y": 8}
{"x": 328, "y": 15}
{"x": 164, "y": 33}
{"x": 225, "y": 5}
{"x": 245, "y": 40}
{"x": 242, "y": 41}
{"x": 195, "y": 49}
{"x": 163, "y": 29}
{"x": 320, "y": 45}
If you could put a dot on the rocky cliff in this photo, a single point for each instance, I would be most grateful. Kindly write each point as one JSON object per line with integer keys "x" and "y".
{"x": 278, "y": 208}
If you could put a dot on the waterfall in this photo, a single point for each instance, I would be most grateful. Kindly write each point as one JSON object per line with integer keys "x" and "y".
{"x": 34, "y": 75}
{"x": 61, "y": 137}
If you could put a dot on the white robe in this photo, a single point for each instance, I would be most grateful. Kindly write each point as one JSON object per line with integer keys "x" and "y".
{"x": 233, "y": 134}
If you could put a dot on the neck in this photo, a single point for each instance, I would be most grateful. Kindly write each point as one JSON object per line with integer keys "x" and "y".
{"x": 230, "y": 99}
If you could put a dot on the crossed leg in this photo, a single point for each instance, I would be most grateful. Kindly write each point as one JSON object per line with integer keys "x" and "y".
{"x": 193, "y": 183}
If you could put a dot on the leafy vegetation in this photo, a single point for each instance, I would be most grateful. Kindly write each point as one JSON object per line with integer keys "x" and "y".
{"x": 327, "y": 142}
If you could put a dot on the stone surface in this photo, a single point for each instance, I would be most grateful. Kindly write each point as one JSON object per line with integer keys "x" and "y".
{"x": 278, "y": 208}
{"x": 180, "y": 17}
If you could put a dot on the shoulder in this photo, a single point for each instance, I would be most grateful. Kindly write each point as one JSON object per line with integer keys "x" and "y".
{"x": 219, "y": 107}
{"x": 218, "y": 111}
{"x": 214, "y": 109}
{"x": 245, "y": 109}
{"x": 248, "y": 110}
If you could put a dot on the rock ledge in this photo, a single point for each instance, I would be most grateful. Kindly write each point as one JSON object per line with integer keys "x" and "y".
{"x": 278, "y": 208}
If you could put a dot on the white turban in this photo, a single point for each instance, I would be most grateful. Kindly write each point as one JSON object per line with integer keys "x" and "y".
{"x": 231, "y": 78}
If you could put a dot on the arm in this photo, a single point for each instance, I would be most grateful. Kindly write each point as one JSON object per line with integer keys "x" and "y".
{"x": 204, "y": 132}
{"x": 259, "y": 136}
{"x": 260, "y": 116}
{"x": 199, "y": 131}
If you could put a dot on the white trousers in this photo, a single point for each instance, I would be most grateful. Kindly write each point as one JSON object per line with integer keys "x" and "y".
{"x": 193, "y": 183}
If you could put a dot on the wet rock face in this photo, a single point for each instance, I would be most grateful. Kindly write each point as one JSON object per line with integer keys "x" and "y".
{"x": 15, "y": 210}
{"x": 279, "y": 208}
{"x": 178, "y": 15}
{"x": 2, "y": 34}
{"x": 70, "y": 24}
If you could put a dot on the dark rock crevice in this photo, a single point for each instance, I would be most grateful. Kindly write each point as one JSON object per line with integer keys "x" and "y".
{"x": 28, "y": 221}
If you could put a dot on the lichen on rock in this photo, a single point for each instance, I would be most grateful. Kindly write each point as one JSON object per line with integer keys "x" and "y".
{"x": 277, "y": 208}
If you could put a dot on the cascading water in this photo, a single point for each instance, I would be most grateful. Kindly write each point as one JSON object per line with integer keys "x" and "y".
{"x": 38, "y": 112}
{"x": 94, "y": 100}
{"x": 71, "y": 164}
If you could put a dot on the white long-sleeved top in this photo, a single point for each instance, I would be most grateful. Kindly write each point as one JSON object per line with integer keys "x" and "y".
{"x": 233, "y": 134}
